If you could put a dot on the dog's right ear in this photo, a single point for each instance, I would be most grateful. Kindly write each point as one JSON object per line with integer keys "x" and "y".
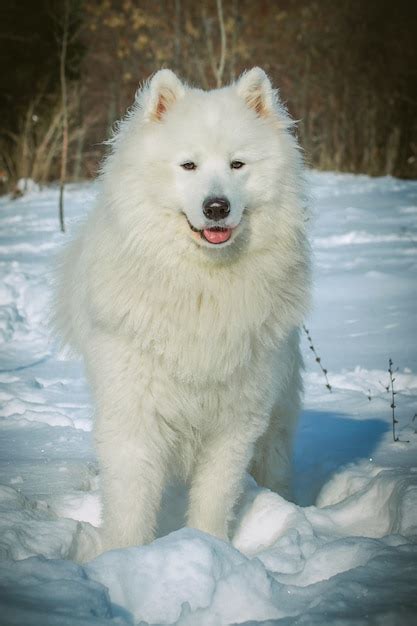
{"x": 163, "y": 90}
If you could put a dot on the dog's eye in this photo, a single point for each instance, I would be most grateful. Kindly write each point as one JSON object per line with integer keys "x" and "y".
{"x": 189, "y": 165}
{"x": 236, "y": 165}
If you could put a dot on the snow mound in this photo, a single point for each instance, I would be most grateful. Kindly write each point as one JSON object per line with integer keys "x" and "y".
{"x": 42, "y": 588}
{"x": 187, "y": 576}
{"x": 30, "y": 528}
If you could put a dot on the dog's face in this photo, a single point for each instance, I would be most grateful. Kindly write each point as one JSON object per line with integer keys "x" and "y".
{"x": 210, "y": 177}
{"x": 210, "y": 158}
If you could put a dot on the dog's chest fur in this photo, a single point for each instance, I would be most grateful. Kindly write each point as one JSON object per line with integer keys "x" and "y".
{"x": 203, "y": 324}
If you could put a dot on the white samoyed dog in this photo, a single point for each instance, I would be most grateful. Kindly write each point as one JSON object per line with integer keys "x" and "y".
{"x": 184, "y": 292}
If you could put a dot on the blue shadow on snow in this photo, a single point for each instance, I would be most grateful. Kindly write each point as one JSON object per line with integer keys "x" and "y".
{"x": 324, "y": 443}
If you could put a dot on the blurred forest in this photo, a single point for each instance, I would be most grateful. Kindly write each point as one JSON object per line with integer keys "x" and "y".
{"x": 347, "y": 70}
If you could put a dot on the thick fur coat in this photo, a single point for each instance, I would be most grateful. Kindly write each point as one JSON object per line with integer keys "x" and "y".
{"x": 189, "y": 326}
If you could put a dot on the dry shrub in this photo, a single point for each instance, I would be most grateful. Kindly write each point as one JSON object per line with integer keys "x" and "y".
{"x": 34, "y": 150}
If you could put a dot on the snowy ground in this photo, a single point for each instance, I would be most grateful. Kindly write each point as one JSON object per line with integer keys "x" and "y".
{"x": 346, "y": 554}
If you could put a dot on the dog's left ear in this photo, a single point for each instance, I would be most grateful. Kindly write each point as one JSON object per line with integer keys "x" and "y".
{"x": 164, "y": 89}
{"x": 255, "y": 88}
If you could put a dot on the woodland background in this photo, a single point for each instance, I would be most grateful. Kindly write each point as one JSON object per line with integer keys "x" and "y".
{"x": 347, "y": 70}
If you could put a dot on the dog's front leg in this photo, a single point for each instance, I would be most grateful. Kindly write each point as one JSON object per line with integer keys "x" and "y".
{"x": 218, "y": 478}
{"x": 132, "y": 477}
{"x": 132, "y": 451}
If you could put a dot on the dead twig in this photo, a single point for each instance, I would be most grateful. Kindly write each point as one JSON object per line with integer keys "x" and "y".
{"x": 393, "y": 405}
{"x": 317, "y": 358}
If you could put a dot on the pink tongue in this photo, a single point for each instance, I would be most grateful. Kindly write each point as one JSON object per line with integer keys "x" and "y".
{"x": 217, "y": 236}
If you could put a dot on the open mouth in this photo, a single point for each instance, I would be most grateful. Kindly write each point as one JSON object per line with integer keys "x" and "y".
{"x": 214, "y": 235}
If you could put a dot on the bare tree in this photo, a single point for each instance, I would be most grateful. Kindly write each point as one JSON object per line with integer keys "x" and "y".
{"x": 177, "y": 39}
{"x": 222, "y": 60}
{"x": 216, "y": 65}
{"x": 64, "y": 99}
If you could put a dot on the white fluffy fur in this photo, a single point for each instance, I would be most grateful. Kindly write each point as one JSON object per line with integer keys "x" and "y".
{"x": 191, "y": 349}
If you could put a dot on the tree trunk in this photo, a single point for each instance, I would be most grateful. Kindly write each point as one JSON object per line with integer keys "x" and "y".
{"x": 64, "y": 152}
{"x": 222, "y": 60}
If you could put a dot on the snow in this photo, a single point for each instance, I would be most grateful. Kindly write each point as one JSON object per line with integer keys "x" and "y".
{"x": 344, "y": 554}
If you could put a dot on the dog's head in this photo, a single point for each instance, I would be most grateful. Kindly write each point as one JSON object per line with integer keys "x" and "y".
{"x": 205, "y": 162}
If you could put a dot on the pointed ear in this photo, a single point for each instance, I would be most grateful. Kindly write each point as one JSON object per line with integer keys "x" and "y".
{"x": 255, "y": 88}
{"x": 164, "y": 89}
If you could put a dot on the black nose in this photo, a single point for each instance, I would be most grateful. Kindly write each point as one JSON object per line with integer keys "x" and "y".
{"x": 216, "y": 208}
